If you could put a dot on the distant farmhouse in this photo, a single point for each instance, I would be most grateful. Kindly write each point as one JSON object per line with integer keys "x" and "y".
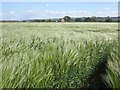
{"x": 60, "y": 20}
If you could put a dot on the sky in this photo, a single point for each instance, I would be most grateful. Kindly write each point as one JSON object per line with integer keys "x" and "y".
{"x": 60, "y": 0}
{"x": 45, "y": 10}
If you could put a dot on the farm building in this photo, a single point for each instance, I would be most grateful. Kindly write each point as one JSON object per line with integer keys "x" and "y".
{"x": 61, "y": 20}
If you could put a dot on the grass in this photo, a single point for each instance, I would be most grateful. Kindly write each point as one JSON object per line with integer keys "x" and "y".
{"x": 54, "y": 55}
{"x": 112, "y": 78}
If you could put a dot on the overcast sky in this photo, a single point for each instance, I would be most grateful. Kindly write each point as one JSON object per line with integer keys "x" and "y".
{"x": 32, "y": 10}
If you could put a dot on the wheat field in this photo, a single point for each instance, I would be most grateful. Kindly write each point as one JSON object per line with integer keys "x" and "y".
{"x": 54, "y": 55}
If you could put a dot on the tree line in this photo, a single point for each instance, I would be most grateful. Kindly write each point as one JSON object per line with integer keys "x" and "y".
{"x": 72, "y": 19}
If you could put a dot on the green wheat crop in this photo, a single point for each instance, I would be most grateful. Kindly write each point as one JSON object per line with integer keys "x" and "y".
{"x": 112, "y": 78}
{"x": 53, "y": 55}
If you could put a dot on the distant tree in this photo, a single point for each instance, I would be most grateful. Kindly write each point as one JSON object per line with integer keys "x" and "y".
{"x": 73, "y": 19}
{"x": 43, "y": 20}
{"x": 52, "y": 20}
{"x": 36, "y": 20}
{"x": 108, "y": 19}
{"x": 78, "y": 20}
{"x": 67, "y": 19}
{"x": 88, "y": 19}
{"x": 24, "y": 21}
{"x": 118, "y": 20}
{"x": 49, "y": 20}
{"x": 94, "y": 19}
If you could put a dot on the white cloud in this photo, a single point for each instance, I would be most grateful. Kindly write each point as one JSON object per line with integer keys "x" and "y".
{"x": 107, "y": 13}
{"x": 63, "y": 12}
{"x": 69, "y": 13}
{"x": 30, "y": 11}
{"x": 114, "y": 13}
{"x": 81, "y": 13}
{"x": 1, "y": 14}
{"x": 107, "y": 8}
{"x": 11, "y": 12}
{"x": 46, "y": 4}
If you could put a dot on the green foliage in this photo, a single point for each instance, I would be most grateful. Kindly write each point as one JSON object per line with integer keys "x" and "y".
{"x": 94, "y": 19}
{"x": 67, "y": 18}
{"x": 108, "y": 19}
{"x": 88, "y": 19}
{"x": 50, "y": 55}
{"x": 112, "y": 78}
{"x": 78, "y": 20}
{"x": 51, "y": 63}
